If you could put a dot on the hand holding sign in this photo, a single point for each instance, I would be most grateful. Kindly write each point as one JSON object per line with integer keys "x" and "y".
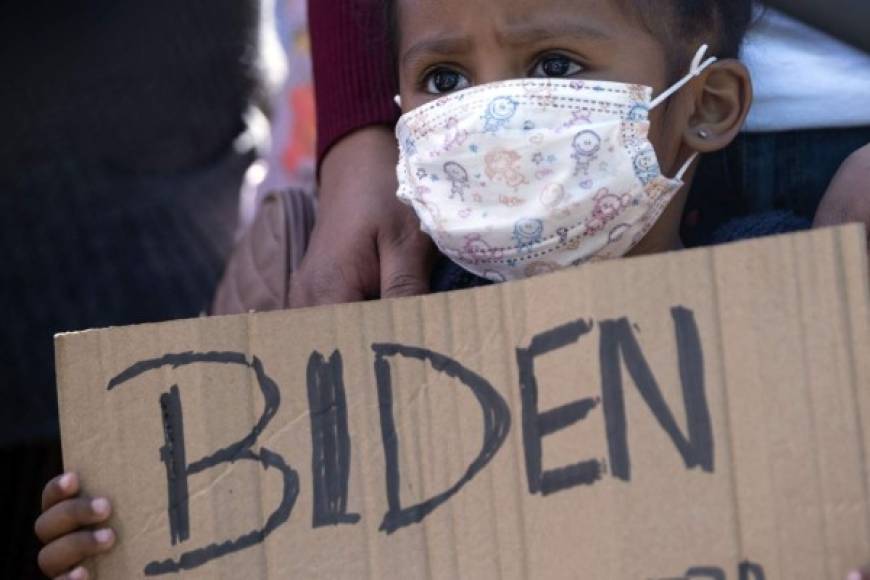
{"x": 688, "y": 416}
{"x": 65, "y": 526}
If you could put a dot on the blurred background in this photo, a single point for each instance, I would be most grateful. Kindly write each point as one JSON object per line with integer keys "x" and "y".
{"x": 129, "y": 130}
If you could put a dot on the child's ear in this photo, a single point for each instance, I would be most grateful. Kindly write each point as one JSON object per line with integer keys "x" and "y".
{"x": 722, "y": 100}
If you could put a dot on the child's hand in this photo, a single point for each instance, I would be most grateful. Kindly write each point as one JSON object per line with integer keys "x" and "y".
{"x": 848, "y": 197}
{"x": 66, "y": 528}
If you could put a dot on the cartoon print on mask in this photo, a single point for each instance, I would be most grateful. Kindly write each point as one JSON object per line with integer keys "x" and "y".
{"x": 638, "y": 113}
{"x": 501, "y": 165}
{"x": 632, "y": 134}
{"x": 424, "y": 206}
{"x": 421, "y": 191}
{"x": 542, "y": 93}
{"x": 607, "y": 208}
{"x": 420, "y": 127}
{"x": 638, "y": 93}
{"x": 552, "y": 196}
{"x": 528, "y": 232}
{"x": 543, "y": 174}
{"x": 586, "y": 145}
{"x": 577, "y": 118}
{"x": 454, "y": 137}
{"x": 645, "y": 166}
{"x": 608, "y": 205}
{"x": 498, "y": 113}
{"x": 458, "y": 177}
{"x": 434, "y": 213}
{"x": 477, "y": 250}
{"x": 657, "y": 188}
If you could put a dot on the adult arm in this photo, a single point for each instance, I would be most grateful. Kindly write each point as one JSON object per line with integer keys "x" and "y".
{"x": 848, "y": 197}
{"x": 366, "y": 244}
{"x": 847, "y": 20}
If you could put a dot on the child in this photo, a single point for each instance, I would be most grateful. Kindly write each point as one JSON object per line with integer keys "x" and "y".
{"x": 518, "y": 177}
{"x": 568, "y": 169}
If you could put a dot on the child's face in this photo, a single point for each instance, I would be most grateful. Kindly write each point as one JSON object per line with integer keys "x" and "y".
{"x": 449, "y": 45}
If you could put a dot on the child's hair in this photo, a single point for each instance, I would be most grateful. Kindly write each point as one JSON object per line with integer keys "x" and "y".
{"x": 721, "y": 23}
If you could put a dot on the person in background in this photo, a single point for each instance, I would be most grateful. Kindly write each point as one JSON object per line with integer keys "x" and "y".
{"x": 126, "y": 135}
{"x": 367, "y": 244}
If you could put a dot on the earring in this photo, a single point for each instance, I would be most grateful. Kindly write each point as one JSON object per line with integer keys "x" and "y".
{"x": 704, "y": 133}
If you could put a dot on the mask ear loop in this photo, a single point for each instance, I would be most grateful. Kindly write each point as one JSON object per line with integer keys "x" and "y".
{"x": 699, "y": 65}
{"x": 686, "y": 166}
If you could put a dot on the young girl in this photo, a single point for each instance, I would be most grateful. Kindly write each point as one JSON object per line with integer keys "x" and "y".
{"x": 538, "y": 134}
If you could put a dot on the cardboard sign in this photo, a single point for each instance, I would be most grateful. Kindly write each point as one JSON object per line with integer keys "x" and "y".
{"x": 697, "y": 415}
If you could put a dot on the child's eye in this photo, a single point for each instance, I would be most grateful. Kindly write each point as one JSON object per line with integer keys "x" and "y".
{"x": 445, "y": 81}
{"x": 556, "y": 65}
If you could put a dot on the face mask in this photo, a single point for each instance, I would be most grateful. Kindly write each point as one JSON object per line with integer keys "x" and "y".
{"x": 524, "y": 177}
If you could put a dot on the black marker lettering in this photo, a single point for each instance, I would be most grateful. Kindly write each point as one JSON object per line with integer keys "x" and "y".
{"x": 618, "y": 344}
{"x": 330, "y": 441}
{"x": 496, "y": 424}
{"x": 538, "y": 425}
{"x": 172, "y": 455}
{"x": 751, "y": 571}
{"x": 709, "y": 573}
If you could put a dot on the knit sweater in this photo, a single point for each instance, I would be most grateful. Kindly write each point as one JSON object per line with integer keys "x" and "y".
{"x": 354, "y": 80}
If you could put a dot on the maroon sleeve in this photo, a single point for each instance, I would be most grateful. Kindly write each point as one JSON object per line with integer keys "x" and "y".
{"x": 354, "y": 80}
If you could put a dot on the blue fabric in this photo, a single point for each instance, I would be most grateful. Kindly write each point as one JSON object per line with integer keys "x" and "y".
{"x": 763, "y": 172}
{"x": 758, "y": 226}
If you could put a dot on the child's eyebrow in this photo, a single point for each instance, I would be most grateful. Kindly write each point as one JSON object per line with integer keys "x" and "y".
{"x": 529, "y": 33}
{"x": 441, "y": 45}
{"x": 519, "y": 34}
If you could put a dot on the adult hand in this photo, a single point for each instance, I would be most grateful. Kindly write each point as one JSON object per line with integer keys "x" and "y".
{"x": 366, "y": 243}
{"x": 848, "y": 197}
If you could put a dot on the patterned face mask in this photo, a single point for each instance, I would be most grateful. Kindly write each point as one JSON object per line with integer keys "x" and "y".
{"x": 524, "y": 177}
